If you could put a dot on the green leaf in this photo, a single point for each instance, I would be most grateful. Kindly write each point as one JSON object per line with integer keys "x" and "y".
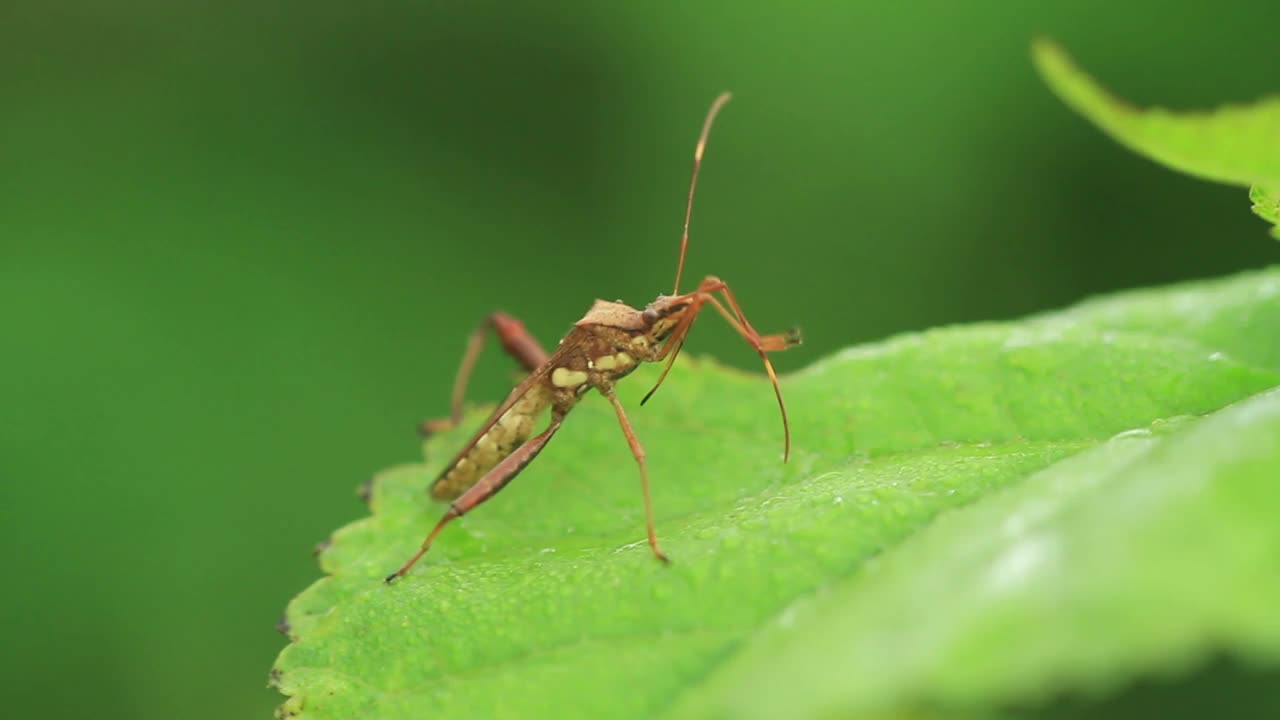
{"x": 1236, "y": 144}
{"x": 1058, "y": 583}
{"x": 973, "y": 517}
{"x": 1266, "y": 205}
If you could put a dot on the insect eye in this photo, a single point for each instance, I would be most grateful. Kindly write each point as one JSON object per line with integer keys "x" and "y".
{"x": 650, "y": 316}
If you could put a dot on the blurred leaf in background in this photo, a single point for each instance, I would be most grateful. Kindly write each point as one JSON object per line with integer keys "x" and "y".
{"x": 241, "y": 247}
{"x": 1266, "y": 205}
{"x": 1236, "y": 144}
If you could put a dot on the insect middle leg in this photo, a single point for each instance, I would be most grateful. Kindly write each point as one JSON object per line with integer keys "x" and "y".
{"x": 637, "y": 450}
{"x": 515, "y": 340}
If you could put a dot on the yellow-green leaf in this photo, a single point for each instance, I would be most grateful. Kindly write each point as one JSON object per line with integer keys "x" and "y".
{"x": 1236, "y": 144}
{"x": 1266, "y": 205}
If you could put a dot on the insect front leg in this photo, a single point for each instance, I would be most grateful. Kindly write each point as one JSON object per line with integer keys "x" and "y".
{"x": 515, "y": 340}
{"x": 486, "y": 487}
{"x": 637, "y": 451}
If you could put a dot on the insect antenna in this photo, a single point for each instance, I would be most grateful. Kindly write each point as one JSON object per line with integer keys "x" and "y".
{"x": 693, "y": 183}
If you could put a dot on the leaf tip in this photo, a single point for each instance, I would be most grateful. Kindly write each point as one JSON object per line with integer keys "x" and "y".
{"x": 1266, "y": 205}
{"x": 1045, "y": 50}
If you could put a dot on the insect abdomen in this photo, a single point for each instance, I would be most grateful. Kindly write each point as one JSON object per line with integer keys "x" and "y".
{"x": 505, "y": 435}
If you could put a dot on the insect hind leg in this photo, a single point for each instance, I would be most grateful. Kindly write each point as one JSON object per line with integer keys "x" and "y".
{"x": 515, "y": 340}
{"x": 485, "y": 488}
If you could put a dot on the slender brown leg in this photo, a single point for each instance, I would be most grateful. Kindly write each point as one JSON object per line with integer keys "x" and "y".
{"x": 486, "y": 487}
{"x": 515, "y": 340}
{"x": 638, "y": 452}
{"x": 770, "y": 343}
{"x": 761, "y": 344}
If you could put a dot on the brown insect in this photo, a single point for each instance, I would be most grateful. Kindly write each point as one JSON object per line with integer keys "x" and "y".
{"x": 606, "y": 345}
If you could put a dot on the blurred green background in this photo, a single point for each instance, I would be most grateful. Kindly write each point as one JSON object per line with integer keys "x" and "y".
{"x": 241, "y": 247}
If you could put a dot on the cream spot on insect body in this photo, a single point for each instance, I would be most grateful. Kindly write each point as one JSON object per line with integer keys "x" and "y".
{"x": 604, "y": 363}
{"x": 564, "y": 377}
{"x": 623, "y": 360}
{"x": 640, "y": 341}
{"x": 514, "y": 425}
